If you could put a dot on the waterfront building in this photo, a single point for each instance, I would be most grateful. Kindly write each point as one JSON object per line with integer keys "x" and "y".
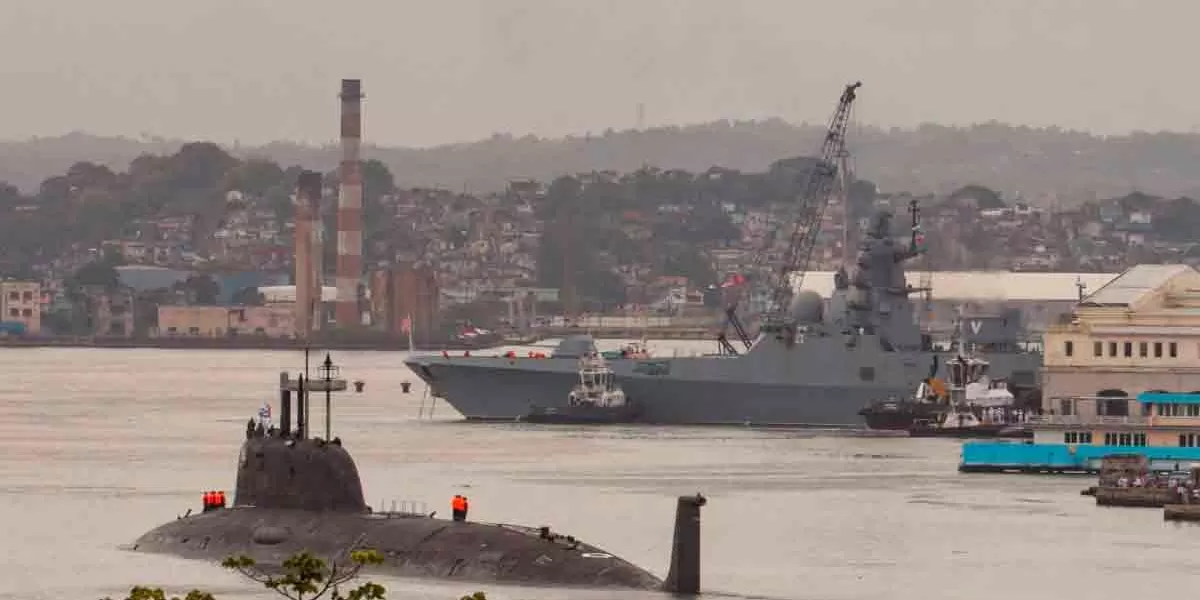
{"x": 273, "y": 321}
{"x": 21, "y": 302}
{"x": 1138, "y": 333}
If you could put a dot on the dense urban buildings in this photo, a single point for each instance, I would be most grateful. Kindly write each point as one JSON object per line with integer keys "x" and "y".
{"x": 203, "y": 229}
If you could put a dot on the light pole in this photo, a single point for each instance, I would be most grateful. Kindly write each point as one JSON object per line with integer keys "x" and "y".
{"x": 328, "y": 373}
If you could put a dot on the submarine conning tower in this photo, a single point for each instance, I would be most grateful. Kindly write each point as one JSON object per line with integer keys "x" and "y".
{"x": 308, "y": 474}
{"x": 285, "y": 469}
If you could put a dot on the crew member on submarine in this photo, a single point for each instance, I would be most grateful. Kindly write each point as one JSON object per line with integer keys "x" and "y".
{"x": 459, "y": 506}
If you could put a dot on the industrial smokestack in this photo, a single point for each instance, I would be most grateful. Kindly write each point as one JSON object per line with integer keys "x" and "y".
{"x": 349, "y": 210}
{"x": 308, "y": 278}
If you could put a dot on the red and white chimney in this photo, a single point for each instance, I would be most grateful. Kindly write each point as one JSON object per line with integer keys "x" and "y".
{"x": 349, "y": 266}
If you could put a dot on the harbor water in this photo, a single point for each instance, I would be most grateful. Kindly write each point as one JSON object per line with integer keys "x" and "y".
{"x": 101, "y": 445}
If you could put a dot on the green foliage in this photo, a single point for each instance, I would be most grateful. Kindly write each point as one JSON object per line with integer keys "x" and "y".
{"x": 201, "y": 289}
{"x": 984, "y": 198}
{"x": 306, "y": 577}
{"x": 99, "y": 273}
{"x": 249, "y": 296}
{"x": 146, "y": 593}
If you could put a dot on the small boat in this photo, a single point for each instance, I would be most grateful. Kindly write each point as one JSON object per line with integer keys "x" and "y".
{"x": 1127, "y": 480}
{"x": 596, "y": 399}
{"x": 894, "y": 414}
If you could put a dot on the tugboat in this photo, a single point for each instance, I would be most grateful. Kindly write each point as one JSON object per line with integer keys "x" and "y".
{"x": 977, "y": 407}
{"x": 597, "y": 399}
{"x": 894, "y": 414}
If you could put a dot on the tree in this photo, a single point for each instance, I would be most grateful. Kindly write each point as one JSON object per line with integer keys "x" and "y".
{"x": 984, "y": 198}
{"x": 248, "y": 296}
{"x": 201, "y": 289}
{"x": 307, "y": 577}
{"x": 147, "y": 593}
{"x": 304, "y": 577}
{"x": 98, "y": 273}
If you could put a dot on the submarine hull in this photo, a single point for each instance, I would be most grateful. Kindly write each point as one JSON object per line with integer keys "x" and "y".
{"x": 412, "y": 546}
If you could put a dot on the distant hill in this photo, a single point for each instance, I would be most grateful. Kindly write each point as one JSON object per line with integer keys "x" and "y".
{"x": 930, "y": 158}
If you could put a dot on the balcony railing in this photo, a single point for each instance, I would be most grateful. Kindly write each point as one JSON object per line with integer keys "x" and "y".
{"x": 1089, "y": 420}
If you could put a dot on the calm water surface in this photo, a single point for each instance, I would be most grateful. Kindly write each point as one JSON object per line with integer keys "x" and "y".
{"x": 99, "y": 446}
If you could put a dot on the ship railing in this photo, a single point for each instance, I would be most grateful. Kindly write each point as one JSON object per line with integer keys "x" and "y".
{"x": 402, "y": 509}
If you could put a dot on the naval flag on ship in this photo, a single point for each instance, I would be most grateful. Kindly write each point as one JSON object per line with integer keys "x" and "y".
{"x": 733, "y": 279}
{"x": 918, "y": 238}
{"x": 264, "y": 414}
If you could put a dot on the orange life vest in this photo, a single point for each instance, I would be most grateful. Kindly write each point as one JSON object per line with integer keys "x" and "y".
{"x": 458, "y": 503}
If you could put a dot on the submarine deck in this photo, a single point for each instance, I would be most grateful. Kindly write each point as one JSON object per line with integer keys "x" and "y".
{"x": 412, "y": 546}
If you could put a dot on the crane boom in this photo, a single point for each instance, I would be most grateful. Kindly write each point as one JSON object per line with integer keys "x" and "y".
{"x": 812, "y": 202}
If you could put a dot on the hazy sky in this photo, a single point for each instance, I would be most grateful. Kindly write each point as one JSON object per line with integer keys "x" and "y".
{"x": 448, "y": 70}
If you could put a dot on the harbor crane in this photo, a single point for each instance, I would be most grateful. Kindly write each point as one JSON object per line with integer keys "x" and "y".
{"x": 814, "y": 197}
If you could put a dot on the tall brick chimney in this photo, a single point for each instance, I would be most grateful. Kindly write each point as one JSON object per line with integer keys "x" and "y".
{"x": 349, "y": 209}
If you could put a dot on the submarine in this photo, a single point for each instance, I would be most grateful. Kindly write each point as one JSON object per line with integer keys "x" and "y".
{"x": 296, "y": 493}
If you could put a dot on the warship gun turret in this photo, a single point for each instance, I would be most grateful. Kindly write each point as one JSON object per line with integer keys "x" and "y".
{"x": 300, "y": 494}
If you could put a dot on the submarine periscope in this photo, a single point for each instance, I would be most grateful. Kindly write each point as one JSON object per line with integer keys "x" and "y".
{"x": 297, "y": 493}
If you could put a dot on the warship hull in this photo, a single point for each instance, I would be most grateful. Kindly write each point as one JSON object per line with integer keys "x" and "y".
{"x": 818, "y": 387}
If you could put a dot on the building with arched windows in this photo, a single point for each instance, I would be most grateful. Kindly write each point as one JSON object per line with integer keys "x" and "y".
{"x": 1138, "y": 333}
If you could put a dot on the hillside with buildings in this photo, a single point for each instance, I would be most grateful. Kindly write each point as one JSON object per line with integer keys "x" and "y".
{"x": 172, "y": 243}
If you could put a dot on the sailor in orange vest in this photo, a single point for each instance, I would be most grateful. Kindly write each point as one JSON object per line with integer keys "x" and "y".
{"x": 458, "y": 507}
{"x": 208, "y": 501}
{"x": 466, "y": 504}
{"x": 221, "y": 499}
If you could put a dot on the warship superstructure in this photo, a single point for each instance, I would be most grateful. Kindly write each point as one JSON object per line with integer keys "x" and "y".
{"x": 810, "y": 365}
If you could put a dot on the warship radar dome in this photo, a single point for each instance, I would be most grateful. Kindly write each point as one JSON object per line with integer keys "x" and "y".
{"x": 297, "y": 493}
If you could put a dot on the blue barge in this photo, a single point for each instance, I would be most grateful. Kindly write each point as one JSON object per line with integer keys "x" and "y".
{"x": 1163, "y": 427}
{"x": 1016, "y": 457}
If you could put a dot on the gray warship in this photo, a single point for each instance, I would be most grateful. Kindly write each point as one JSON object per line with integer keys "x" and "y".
{"x": 817, "y": 366}
{"x": 811, "y": 364}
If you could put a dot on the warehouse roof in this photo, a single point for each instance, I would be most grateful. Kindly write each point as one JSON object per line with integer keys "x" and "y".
{"x": 988, "y": 285}
{"x": 1134, "y": 284}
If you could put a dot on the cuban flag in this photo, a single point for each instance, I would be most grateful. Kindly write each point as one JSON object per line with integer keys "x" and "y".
{"x": 264, "y": 413}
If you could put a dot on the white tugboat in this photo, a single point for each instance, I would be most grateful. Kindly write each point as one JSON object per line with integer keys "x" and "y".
{"x": 596, "y": 399}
